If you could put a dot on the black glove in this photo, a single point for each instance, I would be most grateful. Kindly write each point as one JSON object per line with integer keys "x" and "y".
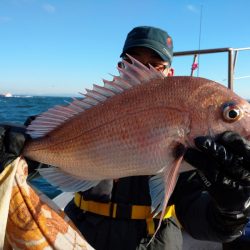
{"x": 12, "y": 140}
{"x": 224, "y": 167}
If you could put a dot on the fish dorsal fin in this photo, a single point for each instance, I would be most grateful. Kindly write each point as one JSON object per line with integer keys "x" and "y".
{"x": 131, "y": 75}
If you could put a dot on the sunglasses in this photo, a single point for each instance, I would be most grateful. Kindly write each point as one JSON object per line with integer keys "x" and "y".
{"x": 157, "y": 66}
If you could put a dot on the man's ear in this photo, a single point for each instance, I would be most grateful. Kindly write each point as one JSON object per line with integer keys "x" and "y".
{"x": 171, "y": 72}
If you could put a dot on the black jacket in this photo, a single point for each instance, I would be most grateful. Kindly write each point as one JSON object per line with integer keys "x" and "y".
{"x": 194, "y": 208}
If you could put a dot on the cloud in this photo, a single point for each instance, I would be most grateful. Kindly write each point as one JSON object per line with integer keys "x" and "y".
{"x": 49, "y": 8}
{"x": 4, "y": 19}
{"x": 192, "y": 8}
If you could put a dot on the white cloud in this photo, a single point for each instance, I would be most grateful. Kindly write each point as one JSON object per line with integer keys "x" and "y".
{"x": 49, "y": 8}
{"x": 4, "y": 19}
{"x": 192, "y": 8}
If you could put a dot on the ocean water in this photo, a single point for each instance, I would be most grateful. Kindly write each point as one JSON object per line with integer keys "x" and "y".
{"x": 16, "y": 110}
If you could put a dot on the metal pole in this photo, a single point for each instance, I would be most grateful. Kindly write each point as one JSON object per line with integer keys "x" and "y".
{"x": 207, "y": 51}
{"x": 192, "y": 67}
{"x": 198, "y": 61}
{"x": 230, "y": 68}
{"x": 235, "y": 58}
{"x": 203, "y": 51}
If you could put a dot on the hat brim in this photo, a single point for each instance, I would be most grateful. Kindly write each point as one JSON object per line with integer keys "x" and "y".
{"x": 162, "y": 56}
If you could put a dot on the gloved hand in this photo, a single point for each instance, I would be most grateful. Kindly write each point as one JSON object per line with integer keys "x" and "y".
{"x": 12, "y": 140}
{"x": 224, "y": 167}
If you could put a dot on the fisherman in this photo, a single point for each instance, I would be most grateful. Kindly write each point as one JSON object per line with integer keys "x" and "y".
{"x": 211, "y": 203}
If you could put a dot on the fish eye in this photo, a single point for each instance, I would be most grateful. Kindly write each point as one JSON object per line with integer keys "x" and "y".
{"x": 231, "y": 112}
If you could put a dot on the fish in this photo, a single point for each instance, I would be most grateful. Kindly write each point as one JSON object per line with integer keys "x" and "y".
{"x": 32, "y": 220}
{"x": 133, "y": 125}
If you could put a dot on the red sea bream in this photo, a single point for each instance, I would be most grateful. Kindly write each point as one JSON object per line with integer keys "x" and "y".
{"x": 132, "y": 126}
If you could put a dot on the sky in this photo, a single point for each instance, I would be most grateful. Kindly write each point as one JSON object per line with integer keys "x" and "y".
{"x": 61, "y": 47}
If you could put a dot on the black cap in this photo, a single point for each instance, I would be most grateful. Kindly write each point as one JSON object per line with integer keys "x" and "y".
{"x": 150, "y": 37}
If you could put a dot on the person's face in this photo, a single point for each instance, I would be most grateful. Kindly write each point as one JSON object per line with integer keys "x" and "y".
{"x": 147, "y": 56}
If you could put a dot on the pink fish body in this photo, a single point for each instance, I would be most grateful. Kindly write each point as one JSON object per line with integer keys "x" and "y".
{"x": 133, "y": 132}
{"x": 132, "y": 126}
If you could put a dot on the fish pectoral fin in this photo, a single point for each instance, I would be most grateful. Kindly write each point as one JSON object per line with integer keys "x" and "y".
{"x": 65, "y": 181}
{"x": 161, "y": 187}
{"x": 157, "y": 192}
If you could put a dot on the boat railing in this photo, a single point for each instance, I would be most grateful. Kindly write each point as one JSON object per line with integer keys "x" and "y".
{"x": 232, "y": 58}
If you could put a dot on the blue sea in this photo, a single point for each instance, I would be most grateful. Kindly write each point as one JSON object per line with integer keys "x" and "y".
{"x": 17, "y": 109}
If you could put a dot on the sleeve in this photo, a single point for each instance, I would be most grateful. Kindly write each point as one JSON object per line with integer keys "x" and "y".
{"x": 199, "y": 215}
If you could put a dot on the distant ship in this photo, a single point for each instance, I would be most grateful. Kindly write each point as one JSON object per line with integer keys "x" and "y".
{"x": 6, "y": 95}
